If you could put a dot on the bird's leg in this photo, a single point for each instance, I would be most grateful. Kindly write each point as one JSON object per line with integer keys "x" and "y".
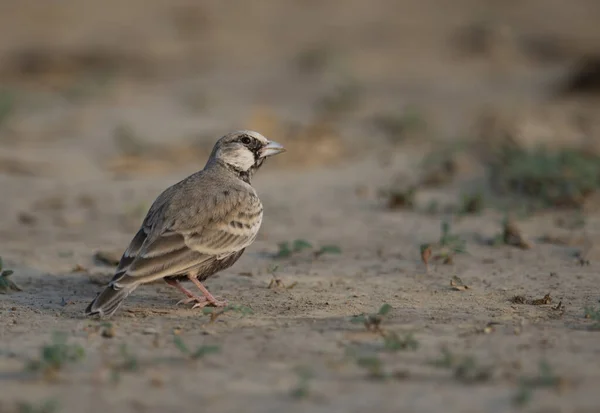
{"x": 210, "y": 299}
{"x": 191, "y": 296}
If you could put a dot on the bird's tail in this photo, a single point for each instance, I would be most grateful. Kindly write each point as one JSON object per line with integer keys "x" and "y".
{"x": 109, "y": 300}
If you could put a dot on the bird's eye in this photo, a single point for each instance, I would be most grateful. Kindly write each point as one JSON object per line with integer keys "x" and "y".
{"x": 246, "y": 140}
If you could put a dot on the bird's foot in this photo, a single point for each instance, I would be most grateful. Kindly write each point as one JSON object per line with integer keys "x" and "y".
{"x": 193, "y": 299}
{"x": 212, "y": 301}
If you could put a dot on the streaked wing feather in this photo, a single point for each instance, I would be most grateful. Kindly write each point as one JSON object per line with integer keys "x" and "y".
{"x": 177, "y": 251}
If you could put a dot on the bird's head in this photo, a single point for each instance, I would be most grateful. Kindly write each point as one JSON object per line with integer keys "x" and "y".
{"x": 244, "y": 151}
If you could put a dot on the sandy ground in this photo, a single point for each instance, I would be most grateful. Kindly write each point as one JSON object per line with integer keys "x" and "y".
{"x": 91, "y": 141}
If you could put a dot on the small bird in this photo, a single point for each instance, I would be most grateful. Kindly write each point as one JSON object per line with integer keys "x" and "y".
{"x": 197, "y": 227}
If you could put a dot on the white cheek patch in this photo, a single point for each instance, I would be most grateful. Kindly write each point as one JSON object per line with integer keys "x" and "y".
{"x": 241, "y": 160}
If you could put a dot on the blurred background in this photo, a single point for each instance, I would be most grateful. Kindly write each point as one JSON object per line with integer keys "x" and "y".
{"x": 99, "y": 91}
{"x": 144, "y": 86}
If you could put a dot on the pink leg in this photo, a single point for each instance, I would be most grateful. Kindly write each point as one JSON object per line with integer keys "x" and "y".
{"x": 191, "y": 296}
{"x": 210, "y": 299}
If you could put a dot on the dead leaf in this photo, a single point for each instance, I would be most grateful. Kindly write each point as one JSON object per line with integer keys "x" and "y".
{"x": 519, "y": 299}
{"x": 542, "y": 301}
{"x": 457, "y": 284}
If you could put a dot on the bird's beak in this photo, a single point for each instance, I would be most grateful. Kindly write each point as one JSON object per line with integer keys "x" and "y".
{"x": 270, "y": 149}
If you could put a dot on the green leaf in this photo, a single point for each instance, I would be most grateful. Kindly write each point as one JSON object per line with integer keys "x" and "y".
{"x": 301, "y": 244}
{"x": 384, "y": 309}
{"x": 181, "y": 345}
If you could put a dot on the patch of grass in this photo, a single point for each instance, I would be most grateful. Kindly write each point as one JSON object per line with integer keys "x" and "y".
{"x": 549, "y": 179}
{"x": 55, "y": 356}
{"x": 200, "y": 351}
{"x": 286, "y": 249}
{"x": 527, "y": 385}
{"x": 49, "y": 406}
{"x": 6, "y": 284}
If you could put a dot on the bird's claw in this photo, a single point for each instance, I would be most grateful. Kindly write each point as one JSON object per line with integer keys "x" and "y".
{"x": 206, "y": 303}
{"x": 191, "y": 300}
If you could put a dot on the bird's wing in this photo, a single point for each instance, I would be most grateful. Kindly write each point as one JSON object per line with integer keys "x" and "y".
{"x": 189, "y": 240}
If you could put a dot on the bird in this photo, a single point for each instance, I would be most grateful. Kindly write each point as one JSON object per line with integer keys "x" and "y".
{"x": 196, "y": 227}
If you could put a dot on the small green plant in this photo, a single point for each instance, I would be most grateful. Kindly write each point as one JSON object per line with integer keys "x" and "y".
{"x": 545, "y": 378}
{"x": 49, "y": 406}
{"x": 199, "y": 353}
{"x": 285, "y": 249}
{"x": 372, "y": 322}
{"x": 302, "y": 388}
{"x": 53, "y": 357}
{"x": 6, "y": 284}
